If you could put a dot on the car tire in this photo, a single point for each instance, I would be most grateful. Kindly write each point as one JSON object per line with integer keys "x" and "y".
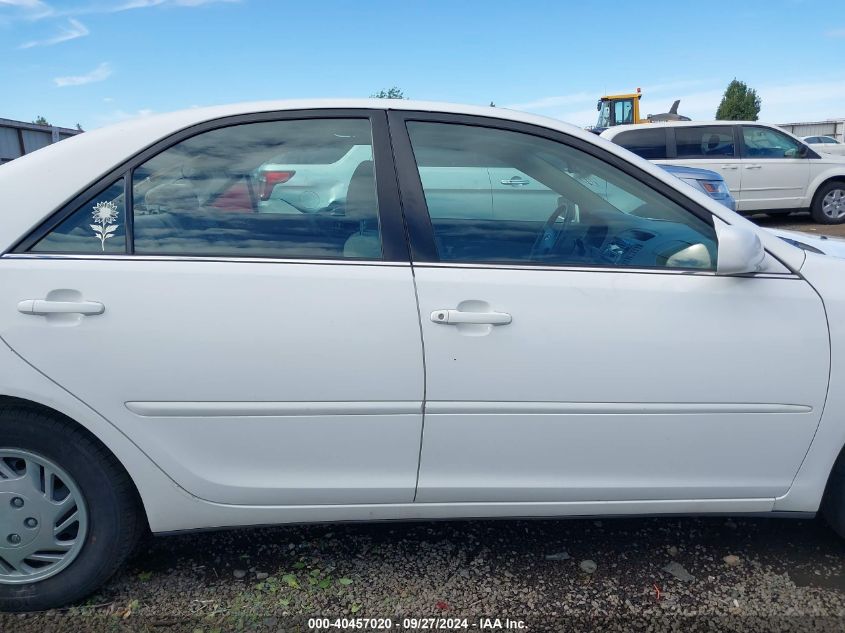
{"x": 89, "y": 494}
{"x": 833, "y": 502}
{"x": 829, "y": 203}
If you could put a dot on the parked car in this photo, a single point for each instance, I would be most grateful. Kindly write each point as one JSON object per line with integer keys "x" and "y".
{"x": 706, "y": 181}
{"x": 825, "y": 144}
{"x": 176, "y": 358}
{"x": 766, "y": 169}
{"x": 713, "y": 185}
{"x": 822, "y": 244}
{"x": 320, "y": 187}
{"x": 820, "y": 140}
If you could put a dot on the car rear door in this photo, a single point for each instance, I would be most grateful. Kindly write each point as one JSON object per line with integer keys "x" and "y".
{"x": 711, "y": 147}
{"x": 257, "y": 358}
{"x": 562, "y": 367}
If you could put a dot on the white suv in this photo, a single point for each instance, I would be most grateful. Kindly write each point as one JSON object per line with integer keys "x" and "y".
{"x": 765, "y": 168}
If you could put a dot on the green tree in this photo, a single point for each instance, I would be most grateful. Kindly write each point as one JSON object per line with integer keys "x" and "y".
{"x": 492, "y": 105}
{"x": 40, "y": 120}
{"x": 740, "y": 103}
{"x": 392, "y": 93}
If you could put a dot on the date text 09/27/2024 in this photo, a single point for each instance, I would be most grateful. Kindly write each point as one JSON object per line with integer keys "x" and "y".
{"x": 417, "y": 624}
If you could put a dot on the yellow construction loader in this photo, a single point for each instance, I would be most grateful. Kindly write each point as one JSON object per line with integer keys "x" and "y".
{"x": 625, "y": 108}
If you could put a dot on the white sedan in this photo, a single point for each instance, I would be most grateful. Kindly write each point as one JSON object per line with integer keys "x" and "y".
{"x": 175, "y": 358}
{"x": 825, "y": 144}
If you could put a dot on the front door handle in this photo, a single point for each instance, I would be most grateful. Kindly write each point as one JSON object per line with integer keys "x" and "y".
{"x": 729, "y": 167}
{"x": 44, "y": 306}
{"x": 456, "y": 317}
{"x": 516, "y": 181}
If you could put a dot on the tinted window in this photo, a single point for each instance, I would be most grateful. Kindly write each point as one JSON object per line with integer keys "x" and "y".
{"x": 302, "y": 189}
{"x": 98, "y": 226}
{"x": 648, "y": 142}
{"x": 763, "y": 142}
{"x": 572, "y": 209}
{"x": 705, "y": 142}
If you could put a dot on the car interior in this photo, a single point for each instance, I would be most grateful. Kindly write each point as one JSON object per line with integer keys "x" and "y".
{"x": 581, "y": 227}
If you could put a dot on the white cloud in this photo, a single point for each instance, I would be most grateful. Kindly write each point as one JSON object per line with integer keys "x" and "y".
{"x": 116, "y": 116}
{"x": 144, "y": 4}
{"x": 100, "y": 73}
{"x": 806, "y": 101}
{"x": 545, "y": 103}
{"x": 836, "y": 33}
{"x": 26, "y": 9}
{"x": 39, "y": 9}
{"x": 74, "y": 30}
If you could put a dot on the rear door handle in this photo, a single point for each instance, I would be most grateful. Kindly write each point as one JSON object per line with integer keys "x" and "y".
{"x": 516, "y": 181}
{"x": 44, "y": 307}
{"x": 753, "y": 166}
{"x": 456, "y": 317}
{"x": 729, "y": 167}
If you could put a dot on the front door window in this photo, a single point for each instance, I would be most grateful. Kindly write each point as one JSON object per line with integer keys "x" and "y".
{"x": 570, "y": 208}
{"x": 762, "y": 142}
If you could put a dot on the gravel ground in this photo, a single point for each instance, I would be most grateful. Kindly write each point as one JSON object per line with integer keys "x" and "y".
{"x": 678, "y": 574}
{"x": 616, "y": 574}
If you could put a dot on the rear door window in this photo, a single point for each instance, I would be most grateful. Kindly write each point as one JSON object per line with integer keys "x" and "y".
{"x": 650, "y": 143}
{"x": 97, "y": 226}
{"x": 710, "y": 141}
{"x": 281, "y": 189}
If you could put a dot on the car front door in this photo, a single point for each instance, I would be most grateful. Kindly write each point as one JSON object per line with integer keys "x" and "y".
{"x": 595, "y": 355}
{"x": 775, "y": 171}
{"x": 258, "y": 358}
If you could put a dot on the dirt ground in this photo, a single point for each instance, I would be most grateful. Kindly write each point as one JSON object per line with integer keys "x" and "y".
{"x": 799, "y": 222}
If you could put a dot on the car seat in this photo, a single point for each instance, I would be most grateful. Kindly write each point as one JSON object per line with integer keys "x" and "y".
{"x": 362, "y": 205}
{"x": 712, "y": 144}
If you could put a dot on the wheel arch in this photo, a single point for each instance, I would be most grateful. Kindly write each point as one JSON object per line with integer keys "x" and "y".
{"x": 822, "y": 181}
{"x": 17, "y": 402}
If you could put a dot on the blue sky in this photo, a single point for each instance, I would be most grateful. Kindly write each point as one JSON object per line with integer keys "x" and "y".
{"x": 95, "y": 62}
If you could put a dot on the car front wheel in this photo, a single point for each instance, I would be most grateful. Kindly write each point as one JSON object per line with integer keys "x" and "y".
{"x": 69, "y": 515}
{"x": 829, "y": 204}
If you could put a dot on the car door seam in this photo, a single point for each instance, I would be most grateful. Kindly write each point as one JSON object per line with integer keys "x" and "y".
{"x": 826, "y": 392}
{"x": 416, "y": 298}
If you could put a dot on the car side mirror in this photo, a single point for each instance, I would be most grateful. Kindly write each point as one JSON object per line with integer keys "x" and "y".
{"x": 740, "y": 250}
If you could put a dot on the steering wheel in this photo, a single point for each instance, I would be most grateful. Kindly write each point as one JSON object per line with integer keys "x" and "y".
{"x": 549, "y": 237}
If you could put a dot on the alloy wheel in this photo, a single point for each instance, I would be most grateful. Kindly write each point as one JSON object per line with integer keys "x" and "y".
{"x": 833, "y": 204}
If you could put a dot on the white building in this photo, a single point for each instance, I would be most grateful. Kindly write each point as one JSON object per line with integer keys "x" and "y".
{"x": 831, "y": 127}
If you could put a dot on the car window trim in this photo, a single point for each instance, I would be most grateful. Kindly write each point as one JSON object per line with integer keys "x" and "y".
{"x": 415, "y": 210}
{"x": 391, "y": 224}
